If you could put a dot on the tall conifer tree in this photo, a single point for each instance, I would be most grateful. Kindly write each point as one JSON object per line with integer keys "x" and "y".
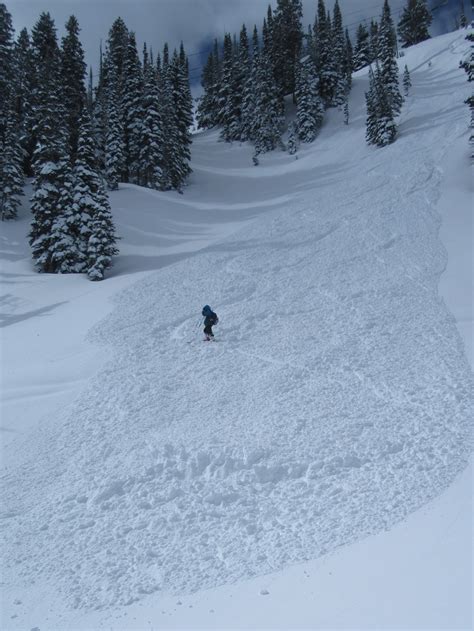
{"x": 91, "y": 203}
{"x": 287, "y": 37}
{"x": 386, "y": 54}
{"x": 414, "y": 23}
{"x": 73, "y": 69}
{"x": 362, "y": 56}
{"x": 309, "y": 107}
{"x": 11, "y": 173}
{"x": 50, "y": 160}
{"x": 132, "y": 111}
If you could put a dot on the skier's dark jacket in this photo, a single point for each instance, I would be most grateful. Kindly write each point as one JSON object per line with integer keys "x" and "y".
{"x": 210, "y": 318}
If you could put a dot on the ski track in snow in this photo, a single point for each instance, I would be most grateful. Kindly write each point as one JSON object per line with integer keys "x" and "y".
{"x": 336, "y": 400}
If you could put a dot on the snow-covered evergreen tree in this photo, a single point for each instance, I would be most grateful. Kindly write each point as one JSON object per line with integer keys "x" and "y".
{"x": 414, "y": 23}
{"x": 50, "y": 155}
{"x": 292, "y": 142}
{"x": 339, "y": 55}
{"x": 406, "y": 81}
{"x": 267, "y": 120}
{"x": 11, "y": 173}
{"x": 228, "y": 94}
{"x": 242, "y": 72}
{"x": 172, "y": 172}
{"x": 286, "y": 35}
{"x": 362, "y": 55}
{"x": 325, "y": 61}
{"x": 348, "y": 61}
{"x": 208, "y": 102}
{"x": 381, "y": 129}
{"x": 24, "y": 89}
{"x": 132, "y": 111}
{"x": 99, "y": 112}
{"x": 91, "y": 204}
{"x": 310, "y": 109}
{"x": 116, "y": 52}
{"x": 386, "y": 55}
{"x": 67, "y": 243}
{"x": 114, "y": 153}
{"x": 73, "y": 69}
{"x": 151, "y": 152}
{"x": 249, "y": 121}
{"x": 6, "y": 67}
{"x": 374, "y": 40}
{"x": 182, "y": 103}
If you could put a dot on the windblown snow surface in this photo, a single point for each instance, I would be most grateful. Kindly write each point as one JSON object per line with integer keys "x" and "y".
{"x": 336, "y": 400}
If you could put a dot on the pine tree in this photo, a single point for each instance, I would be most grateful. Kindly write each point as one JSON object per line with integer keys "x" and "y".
{"x": 172, "y": 168}
{"x": 151, "y": 152}
{"x": 132, "y": 111}
{"x": 406, "y": 81}
{"x": 183, "y": 116}
{"x": 241, "y": 72}
{"x": 310, "y": 109}
{"x": 73, "y": 70}
{"x": 91, "y": 204}
{"x": 249, "y": 121}
{"x": 387, "y": 60}
{"x": 116, "y": 52}
{"x": 414, "y": 23}
{"x": 228, "y": 100}
{"x": 362, "y": 55}
{"x": 11, "y": 174}
{"x": 381, "y": 128}
{"x": 206, "y": 113}
{"x": 287, "y": 35}
{"x": 67, "y": 247}
{"x": 99, "y": 109}
{"x": 292, "y": 143}
{"x": 24, "y": 89}
{"x": 324, "y": 56}
{"x": 50, "y": 157}
{"x": 339, "y": 53}
{"x": 268, "y": 119}
{"x": 6, "y": 67}
{"x": 90, "y": 93}
{"x": 348, "y": 61}
{"x": 374, "y": 40}
{"x": 114, "y": 152}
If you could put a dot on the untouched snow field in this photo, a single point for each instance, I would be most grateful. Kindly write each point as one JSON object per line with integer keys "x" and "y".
{"x": 142, "y": 467}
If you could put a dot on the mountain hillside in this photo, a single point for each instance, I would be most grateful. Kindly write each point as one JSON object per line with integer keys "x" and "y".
{"x": 336, "y": 400}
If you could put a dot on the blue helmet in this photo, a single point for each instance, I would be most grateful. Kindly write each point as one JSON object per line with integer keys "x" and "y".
{"x": 206, "y": 310}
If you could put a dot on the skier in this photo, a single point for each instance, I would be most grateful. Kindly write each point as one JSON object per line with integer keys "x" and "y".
{"x": 210, "y": 319}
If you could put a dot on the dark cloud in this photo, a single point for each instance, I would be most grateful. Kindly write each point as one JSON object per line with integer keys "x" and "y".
{"x": 195, "y": 22}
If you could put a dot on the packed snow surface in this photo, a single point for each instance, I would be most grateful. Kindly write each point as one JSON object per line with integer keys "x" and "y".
{"x": 336, "y": 400}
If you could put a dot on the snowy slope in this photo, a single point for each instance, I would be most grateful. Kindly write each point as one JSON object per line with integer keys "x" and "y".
{"x": 336, "y": 401}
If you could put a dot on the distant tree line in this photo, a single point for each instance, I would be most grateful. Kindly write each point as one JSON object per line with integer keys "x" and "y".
{"x": 75, "y": 142}
{"x": 245, "y": 82}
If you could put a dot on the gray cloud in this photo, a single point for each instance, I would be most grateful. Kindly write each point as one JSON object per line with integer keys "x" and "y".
{"x": 196, "y": 22}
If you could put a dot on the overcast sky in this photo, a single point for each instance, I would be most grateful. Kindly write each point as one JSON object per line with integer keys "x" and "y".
{"x": 196, "y": 22}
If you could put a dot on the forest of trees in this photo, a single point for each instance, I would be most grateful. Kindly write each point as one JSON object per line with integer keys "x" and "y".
{"x": 245, "y": 83}
{"x": 75, "y": 142}
{"x": 132, "y": 124}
